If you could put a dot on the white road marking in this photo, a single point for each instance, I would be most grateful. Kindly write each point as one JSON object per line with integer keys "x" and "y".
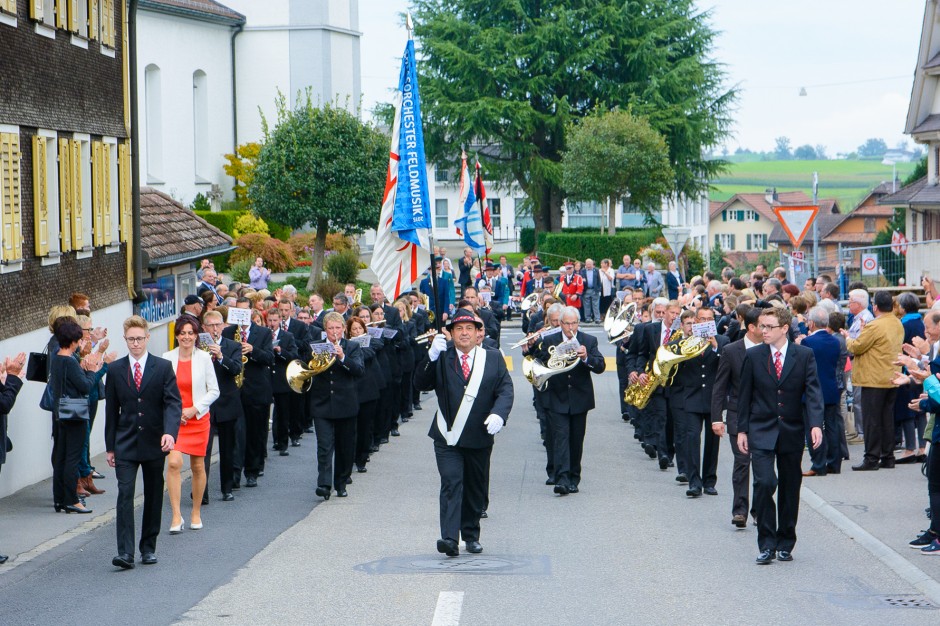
{"x": 447, "y": 611}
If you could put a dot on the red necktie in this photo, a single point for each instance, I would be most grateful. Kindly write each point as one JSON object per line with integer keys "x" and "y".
{"x": 666, "y": 336}
{"x": 283, "y": 325}
{"x": 465, "y": 365}
{"x": 778, "y": 364}
{"x": 138, "y": 375}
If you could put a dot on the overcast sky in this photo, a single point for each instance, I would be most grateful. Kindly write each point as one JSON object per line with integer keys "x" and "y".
{"x": 771, "y": 50}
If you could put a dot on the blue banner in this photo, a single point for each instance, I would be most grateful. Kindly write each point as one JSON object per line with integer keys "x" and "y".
{"x": 412, "y": 203}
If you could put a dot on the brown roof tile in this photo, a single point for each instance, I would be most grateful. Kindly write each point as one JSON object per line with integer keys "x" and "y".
{"x": 207, "y": 8}
{"x": 918, "y": 192}
{"x": 169, "y": 232}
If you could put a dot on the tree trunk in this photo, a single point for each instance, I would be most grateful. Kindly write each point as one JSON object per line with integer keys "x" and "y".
{"x": 553, "y": 194}
{"x": 319, "y": 251}
{"x": 611, "y": 216}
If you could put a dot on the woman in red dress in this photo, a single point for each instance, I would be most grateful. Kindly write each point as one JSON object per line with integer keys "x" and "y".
{"x": 195, "y": 377}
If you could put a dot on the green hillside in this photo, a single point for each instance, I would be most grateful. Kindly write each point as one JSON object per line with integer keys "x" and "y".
{"x": 847, "y": 181}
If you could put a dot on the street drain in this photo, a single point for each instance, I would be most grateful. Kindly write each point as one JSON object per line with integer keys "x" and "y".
{"x": 908, "y": 602}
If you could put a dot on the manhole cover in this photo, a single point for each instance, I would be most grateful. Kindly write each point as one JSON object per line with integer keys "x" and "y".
{"x": 908, "y": 602}
{"x": 466, "y": 564}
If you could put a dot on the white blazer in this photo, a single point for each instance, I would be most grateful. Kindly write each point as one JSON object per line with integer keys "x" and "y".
{"x": 205, "y": 384}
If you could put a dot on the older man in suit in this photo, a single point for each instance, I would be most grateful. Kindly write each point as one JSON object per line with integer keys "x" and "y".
{"x": 142, "y": 420}
{"x": 674, "y": 281}
{"x": 827, "y": 458}
{"x": 227, "y": 410}
{"x": 570, "y": 395}
{"x": 780, "y": 399}
{"x": 285, "y": 350}
{"x": 475, "y": 394}
{"x": 724, "y": 409}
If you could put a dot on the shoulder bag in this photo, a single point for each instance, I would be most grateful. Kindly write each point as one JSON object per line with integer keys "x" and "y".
{"x": 71, "y": 409}
{"x": 37, "y": 367}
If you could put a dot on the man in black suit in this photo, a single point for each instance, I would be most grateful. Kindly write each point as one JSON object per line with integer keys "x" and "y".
{"x": 142, "y": 421}
{"x": 725, "y": 400}
{"x": 392, "y": 316}
{"x": 570, "y": 396}
{"x": 256, "y": 396}
{"x": 690, "y": 397}
{"x": 335, "y": 407}
{"x": 475, "y": 394}
{"x": 780, "y": 398}
{"x": 491, "y": 325}
{"x": 285, "y": 351}
{"x": 827, "y": 457}
{"x": 227, "y": 409}
{"x": 297, "y": 401}
{"x": 209, "y": 280}
{"x": 540, "y": 398}
{"x": 674, "y": 281}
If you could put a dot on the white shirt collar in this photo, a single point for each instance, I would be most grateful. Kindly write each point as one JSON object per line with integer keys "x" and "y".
{"x": 470, "y": 354}
{"x": 783, "y": 352}
{"x": 748, "y": 344}
{"x": 142, "y": 361}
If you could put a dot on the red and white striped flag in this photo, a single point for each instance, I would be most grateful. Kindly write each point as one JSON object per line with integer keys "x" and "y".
{"x": 481, "y": 198}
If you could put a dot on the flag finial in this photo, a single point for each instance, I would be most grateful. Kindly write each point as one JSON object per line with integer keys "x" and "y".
{"x": 409, "y": 24}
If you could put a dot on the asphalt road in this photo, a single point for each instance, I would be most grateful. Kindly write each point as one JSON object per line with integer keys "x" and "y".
{"x": 630, "y": 548}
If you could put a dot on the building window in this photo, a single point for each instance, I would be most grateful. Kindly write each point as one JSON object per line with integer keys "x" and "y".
{"x": 153, "y": 115}
{"x": 9, "y": 6}
{"x": 113, "y": 212}
{"x": 106, "y": 18}
{"x": 750, "y": 216}
{"x": 441, "y": 175}
{"x": 11, "y": 230}
{"x": 869, "y": 224}
{"x": 101, "y": 193}
{"x": 523, "y": 213}
{"x": 46, "y": 198}
{"x": 440, "y": 213}
{"x": 201, "y": 127}
{"x": 496, "y": 217}
{"x": 584, "y": 214}
{"x": 757, "y": 241}
{"x": 725, "y": 241}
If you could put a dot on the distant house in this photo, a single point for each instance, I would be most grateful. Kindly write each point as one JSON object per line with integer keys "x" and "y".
{"x": 857, "y": 228}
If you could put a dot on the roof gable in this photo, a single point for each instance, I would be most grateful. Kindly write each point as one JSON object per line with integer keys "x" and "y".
{"x": 758, "y": 202}
{"x": 171, "y": 233}
{"x": 206, "y": 10}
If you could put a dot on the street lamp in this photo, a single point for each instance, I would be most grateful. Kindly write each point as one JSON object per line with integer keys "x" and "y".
{"x": 894, "y": 172}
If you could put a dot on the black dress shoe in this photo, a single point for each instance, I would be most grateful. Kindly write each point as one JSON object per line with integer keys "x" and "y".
{"x": 573, "y": 489}
{"x": 124, "y": 561}
{"x": 711, "y": 491}
{"x": 887, "y": 463}
{"x": 148, "y": 558}
{"x": 362, "y": 469}
{"x": 448, "y": 547}
{"x": 383, "y": 440}
{"x": 682, "y": 478}
{"x": 237, "y": 482}
{"x": 784, "y": 555}
{"x": 227, "y": 497}
{"x": 474, "y": 547}
{"x": 394, "y": 432}
{"x": 549, "y": 481}
{"x": 664, "y": 463}
{"x": 308, "y": 430}
{"x": 831, "y": 470}
{"x": 904, "y": 460}
{"x": 323, "y": 492}
{"x": 283, "y": 453}
{"x": 3, "y": 559}
{"x": 417, "y": 406}
{"x": 650, "y": 450}
{"x": 765, "y": 557}
{"x": 625, "y": 417}
{"x": 251, "y": 481}
{"x": 561, "y": 490}
{"x": 484, "y": 514}
{"x": 295, "y": 443}
{"x": 341, "y": 493}
{"x": 740, "y": 521}
{"x": 693, "y": 493}
{"x": 865, "y": 466}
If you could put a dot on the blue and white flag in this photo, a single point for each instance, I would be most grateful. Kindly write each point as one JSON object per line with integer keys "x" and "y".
{"x": 412, "y": 203}
{"x": 469, "y": 220}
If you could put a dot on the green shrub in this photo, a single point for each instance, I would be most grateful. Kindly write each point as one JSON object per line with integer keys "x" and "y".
{"x": 223, "y": 220}
{"x": 343, "y": 266}
{"x": 580, "y": 245}
{"x": 276, "y": 253}
{"x": 239, "y": 270}
{"x": 221, "y": 262}
{"x": 327, "y": 288}
{"x": 200, "y": 203}
{"x": 248, "y": 223}
{"x": 527, "y": 239}
{"x": 279, "y": 231}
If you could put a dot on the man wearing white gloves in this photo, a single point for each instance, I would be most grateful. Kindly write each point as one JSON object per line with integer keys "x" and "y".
{"x": 474, "y": 396}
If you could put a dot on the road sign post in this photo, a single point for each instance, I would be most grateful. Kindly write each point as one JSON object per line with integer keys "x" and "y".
{"x": 676, "y": 238}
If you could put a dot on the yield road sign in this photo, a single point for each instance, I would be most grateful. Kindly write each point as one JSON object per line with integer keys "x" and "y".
{"x": 796, "y": 221}
{"x": 676, "y": 238}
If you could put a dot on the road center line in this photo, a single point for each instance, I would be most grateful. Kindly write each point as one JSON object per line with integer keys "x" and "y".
{"x": 447, "y": 611}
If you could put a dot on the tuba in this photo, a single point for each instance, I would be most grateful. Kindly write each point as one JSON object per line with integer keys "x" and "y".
{"x": 622, "y": 324}
{"x": 663, "y": 369}
{"x": 538, "y": 374}
{"x": 300, "y": 377}
{"x": 529, "y": 301}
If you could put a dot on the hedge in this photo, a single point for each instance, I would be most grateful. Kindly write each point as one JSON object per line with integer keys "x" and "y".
{"x": 225, "y": 221}
{"x": 527, "y": 236}
{"x": 580, "y": 245}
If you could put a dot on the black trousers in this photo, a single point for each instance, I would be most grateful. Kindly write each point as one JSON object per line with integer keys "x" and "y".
{"x": 238, "y": 450}
{"x": 878, "y": 417}
{"x": 623, "y": 380}
{"x": 605, "y": 304}
{"x": 380, "y": 416}
{"x": 307, "y": 401}
{"x": 933, "y": 485}
{"x": 282, "y": 418}
{"x": 828, "y": 456}
{"x": 335, "y": 436}
{"x": 256, "y": 437}
{"x": 701, "y": 464}
{"x": 390, "y": 405}
{"x": 67, "y": 451}
{"x": 776, "y": 521}
{"x": 740, "y": 478}
{"x": 364, "y": 423}
{"x": 126, "y": 473}
{"x": 295, "y": 425}
{"x": 405, "y": 394}
{"x": 463, "y": 489}
{"x": 226, "y": 434}
{"x": 653, "y": 421}
{"x": 548, "y": 436}
{"x": 568, "y": 434}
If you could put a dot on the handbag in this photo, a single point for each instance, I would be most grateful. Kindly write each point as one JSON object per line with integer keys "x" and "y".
{"x": 71, "y": 409}
{"x": 37, "y": 369}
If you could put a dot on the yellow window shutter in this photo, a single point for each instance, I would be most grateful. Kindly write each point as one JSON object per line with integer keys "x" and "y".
{"x": 93, "y": 19}
{"x": 75, "y": 186}
{"x": 65, "y": 195}
{"x": 10, "y": 174}
{"x": 62, "y": 14}
{"x": 74, "y": 16}
{"x": 106, "y": 238}
{"x": 124, "y": 189}
{"x": 40, "y": 197}
{"x": 35, "y": 10}
{"x": 96, "y": 216}
{"x": 107, "y": 22}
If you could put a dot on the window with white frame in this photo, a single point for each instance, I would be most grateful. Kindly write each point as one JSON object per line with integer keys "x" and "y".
{"x": 726, "y": 241}
{"x": 201, "y": 157}
{"x": 496, "y": 216}
{"x": 757, "y": 241}
{"x": 82, "y": 217}
{"x": 153, "y": 121}
{"x": 113, "y": 198}
{"x": 441, "y": 175}
{"x": 440, "y": 213}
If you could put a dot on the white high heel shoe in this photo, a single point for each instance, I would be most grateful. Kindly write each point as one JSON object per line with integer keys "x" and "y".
{"x": 175, "y": 530}
{"x": 194, "y": 526}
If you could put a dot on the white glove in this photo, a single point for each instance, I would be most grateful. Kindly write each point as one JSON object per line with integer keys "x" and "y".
{"x": 494, "y": 424}
{"x": 438, "y": 345}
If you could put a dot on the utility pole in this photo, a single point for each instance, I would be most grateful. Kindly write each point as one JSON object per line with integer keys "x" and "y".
{"x": 815, "y": 227}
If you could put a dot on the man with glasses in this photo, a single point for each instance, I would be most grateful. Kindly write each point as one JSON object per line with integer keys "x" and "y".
{"x": 142, "y": 420}
{"x": 780, "y": 399}
{"x": 227, "y": 410}
{"x": 569, "y": 397}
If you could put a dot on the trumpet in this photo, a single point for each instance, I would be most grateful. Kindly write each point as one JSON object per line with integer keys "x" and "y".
{"x": 426, "y": 337}
{"x": 427, "y": 306}
{"x": 526, "y": 339}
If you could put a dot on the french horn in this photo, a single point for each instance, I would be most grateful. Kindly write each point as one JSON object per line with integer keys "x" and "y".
{"x": 622, "y": 324}
{"x": 300, "y": 376}
{"x": 538, "y": 373}
{"x": 662, "y": 369}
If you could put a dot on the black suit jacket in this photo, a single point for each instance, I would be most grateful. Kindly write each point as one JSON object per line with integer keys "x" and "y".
{"x": 334, "y": 392}
{"x": 727, "y": 385}
{"x": 445, "y": 377}
{"x": 770, "y": 411}
{"x": 228, "y": 406}
{"x": 691, "y": 388}
{"x": 8, "y": 392}
{"x": 257, "y": 386}
{"x": 490, "y": 324}
{"x": 672, "y": 285}
{"x": 298, "y": 331}
{"x": 573, "y": 391}
{"x": 287, "y": 354}
{"x": 135, "y": 421}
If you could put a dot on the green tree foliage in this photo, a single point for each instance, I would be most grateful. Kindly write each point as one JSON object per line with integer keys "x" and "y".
{"x": 323, "y": 167}
{"x": 919, "y": 172}
{"x": 782, "y": 149}
{"x": 612, "y": 154}
{"x": 509, "y": 75}
{"x": 716, "y": 259}
{"x": 248, "y": 223}
{"x": 873, "y": 148}
{"x": 805, "y": 152}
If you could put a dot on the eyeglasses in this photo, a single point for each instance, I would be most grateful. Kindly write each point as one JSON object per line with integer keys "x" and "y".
{"x": 135, "y": 339}
{"x": 766, "y": 327}
{"x": 86, "y": 330}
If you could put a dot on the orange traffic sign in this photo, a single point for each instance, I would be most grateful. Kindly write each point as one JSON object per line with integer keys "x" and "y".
{"x": 796, "y": 221}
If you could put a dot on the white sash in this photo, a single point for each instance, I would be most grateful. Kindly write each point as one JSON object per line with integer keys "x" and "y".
{"x": 452, "y": 436}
